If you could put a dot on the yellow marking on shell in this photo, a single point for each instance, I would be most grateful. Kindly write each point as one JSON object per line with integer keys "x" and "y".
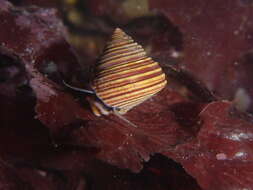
{"x": 132, "y": 102}
{"x": 135, "y": 93}
{"x": 138, "y": 83}
{"x": 111, "y": 74}
{"x": 119, "y": 43}
{"x": 121, "y": 52}
{"x": 117, "y": 101}
{"x": 109, "y": 82}
{"x": 116, "y": 49}
{"x": 125, "y": 76}
{"x": 129, "y": 57}
{"x": 104, "y": 93}
{"x": 114, "y": 67}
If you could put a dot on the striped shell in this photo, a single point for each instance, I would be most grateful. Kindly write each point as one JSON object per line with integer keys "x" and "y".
{"x": 125, "y": 76}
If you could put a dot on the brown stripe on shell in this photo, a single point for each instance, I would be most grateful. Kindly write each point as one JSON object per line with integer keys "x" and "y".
{"x": 131, "y": 103}
{"x": 120, "y": 48}
{"x": 114, "y": 63}
{"x": 122, "y": 59}
{"x": 125, "y": 76}
{"x": 119, "y": 38}
{"x": 129, "y": 92}
{"x": 121, "y": 52}
{"x": 130, "y": 65}
{"x": 117, "y": 43}
{"x": 127, "y": 64}
{"x": 124, "y": 54}
{"x": 127, "y": 73}
{"x": 123, "y": 90}
{"x": 130, "y": 78}
{"x": 106, "y": 86}
{"x": 121, "y": 101}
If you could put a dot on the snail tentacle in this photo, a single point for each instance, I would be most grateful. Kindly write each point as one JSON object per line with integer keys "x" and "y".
{"x": 78, "y": 89}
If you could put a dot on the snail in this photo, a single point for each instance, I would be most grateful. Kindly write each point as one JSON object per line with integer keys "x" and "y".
{"x": 124, "y": 77}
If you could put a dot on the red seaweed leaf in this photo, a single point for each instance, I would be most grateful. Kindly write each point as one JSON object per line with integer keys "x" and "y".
{"x": 217, "y": 35}
{"x": 221, "y": 155}
{"x": 32, "y": 35}
{"x": 54, "y": 108}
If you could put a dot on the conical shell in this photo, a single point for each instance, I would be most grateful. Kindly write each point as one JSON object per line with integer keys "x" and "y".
{"x": 125, "y": 76}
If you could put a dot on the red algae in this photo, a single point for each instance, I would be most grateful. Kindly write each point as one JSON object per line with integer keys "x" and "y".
{"x": 186, "y": 136}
